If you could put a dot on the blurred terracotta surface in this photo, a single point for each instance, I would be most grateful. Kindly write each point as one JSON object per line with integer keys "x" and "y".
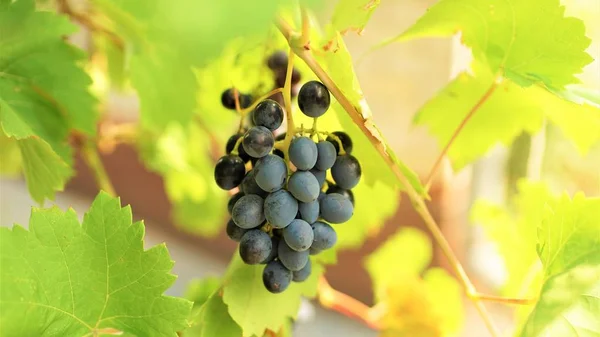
{"x": 144, "y": 191}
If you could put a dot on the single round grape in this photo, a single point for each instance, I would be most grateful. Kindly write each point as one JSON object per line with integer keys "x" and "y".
{"x": 336, "y": 208}
{"x": 280, "y": 208}
{"x": 302, "y": 274}
{"x": 326, "y": 155}
{"x": 234, "y": 232}
{"x": 276, "y": 277}
{"x": 344, "y": 138}
{"x": 298, "y": 235}
{"x": 269, "y": 114}
{"x": 273, "y": 255}
{"x": 346, "y": 171}
{"x": 248, "y": 211}
{"x": 270, "y": 173}
{"x": 278, "y": 60}
{"x": 303, "y": 153}
{"x": 320, "y": 175}
{"x": 255, "y": 246}
{"x": 325, "y": 236}
{"x": 336, "y": 189}
{"x": 249, "y": 185}
{"x": 231, "y": 144}
{"x": 258, "y": 141}
{"x": 304, "y": 186}
{"x": 309, "y": 211}
{"x": 233, "y": 200}
{"x": 290, "y": 258}
{"x": 229, "y": 171}
{"x": 313, "y": 99}
{"x": 228, "y": 99}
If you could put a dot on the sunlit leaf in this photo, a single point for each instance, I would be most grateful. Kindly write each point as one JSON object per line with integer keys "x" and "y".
{"x": 64, "y": 278}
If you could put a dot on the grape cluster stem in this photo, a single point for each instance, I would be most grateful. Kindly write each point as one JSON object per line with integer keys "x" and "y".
{"x": 297, "y": 44}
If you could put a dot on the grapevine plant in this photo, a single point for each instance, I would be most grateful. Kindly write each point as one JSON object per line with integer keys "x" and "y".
{"x": 253, "y": 116}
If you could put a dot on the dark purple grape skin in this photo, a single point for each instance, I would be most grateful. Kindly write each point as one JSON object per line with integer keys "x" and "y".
{"x": 234, "y": 232}
{"x": 276, "y": 277}
{"x": 278, "y": 60}
{"x": 255, "y": 246}
{"x": 280, "y": 75}
{"x": 302, "y": 274}
{"x": 313, "y": 99}
{"x": 269, "y": 114}
{"x": 234, "y": 198}
{"x": 344, "y": 138}
{"x": 229, "y": 171}
{"x": 333, "y": 188}
{"x": 273, "y": 255}
{"x": 325, "y": 237}
{"x": 228, "y": 99}
{"x": 249, "y": 185}
{"x": 346, "y": 171}
{"x": 258, "y": 141}
{"x": 231, "y": 144}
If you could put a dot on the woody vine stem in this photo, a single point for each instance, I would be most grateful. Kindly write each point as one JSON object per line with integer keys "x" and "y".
{"x": 299, "y": 44}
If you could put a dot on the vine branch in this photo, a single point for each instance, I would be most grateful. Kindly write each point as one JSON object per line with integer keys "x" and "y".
{"x": 460, "y": 127}
{"x": 379, "y": 145}
{"x": 92, "y": 158}
{"x": 85, "y": 21}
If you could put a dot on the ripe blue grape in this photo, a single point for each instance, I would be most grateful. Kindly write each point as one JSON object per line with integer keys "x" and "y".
{"x": 336, "y": 208}
{"x": 302, "y": 274}
{"x": 233, "y": 200}
{"x": 248, "y": 211}
{"x": 273, "y": 255}
{"x": 229, "y": 171}
{"x": 344, "y": 138}
{"x": 228, "y": 99}
{"x": 255, "y": 246}
{"x": 231, "y": 144}
{"x": 276, "y": 277}
{"x": 234, "y": 232}
{"x": 269, "y": 114}
{"x": 309, "y": 211}
{"x": 325, "y": 236}
{"x": 303, "y": 153}
{"x": 346, "y": 171}
{"x": 249, "y": 185}
{"x": 313, "y": 99}
{"x": 270, "y": 173}
{"x": 280, "y": 208}
{"x": 314, "y": 251}
{"x": 320, "y": 175}
{"x": 298, "y": 235}
{"x": 326, "y": 155}
{"x": 336, "y": 189}
{"x": 290, "y": 258}
{"x": 258, "y": 141}
{"x": 278, "y": 60}
{"x": 304, "y": 186}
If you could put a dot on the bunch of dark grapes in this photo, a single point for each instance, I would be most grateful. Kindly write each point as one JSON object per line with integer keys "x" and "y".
{"x": 281, "y": 214}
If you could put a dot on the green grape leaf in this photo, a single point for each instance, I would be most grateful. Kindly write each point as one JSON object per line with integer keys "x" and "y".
{"x": 513, "y": 234}
{"x": 419, "y": 301}
{"x": 352, "y": 15}
{"x": 569, "y": 234}
{"x": 199, "y": 291}
{"x": 246, "y": 296}
{"x": 214, "y": 320}
{"x": 569, "y": 248}
{"x": 45, "y": 171}
{"x": 180, "y": 155}
{"x": 67, "y": 279}
{"x": 38, "y": 107}
{"x": 10, "y": 157}
{"x": 505, "y": 35}
{"x": 500, "y": 114}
